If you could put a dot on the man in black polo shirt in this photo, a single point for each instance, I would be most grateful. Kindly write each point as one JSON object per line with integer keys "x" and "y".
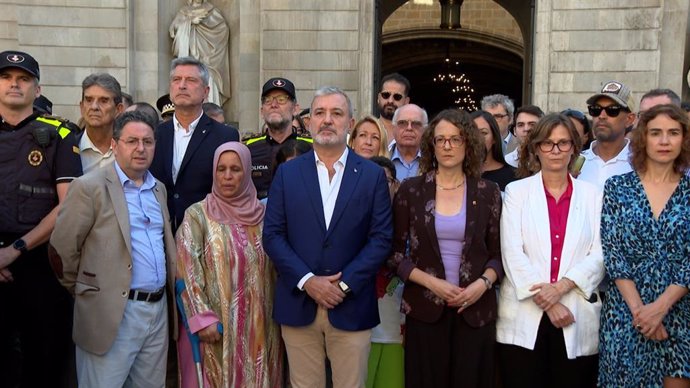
{"x": 278, "y": 102}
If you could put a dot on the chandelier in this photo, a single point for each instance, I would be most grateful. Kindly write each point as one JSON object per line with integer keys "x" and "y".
{"x": 457, "y": 84}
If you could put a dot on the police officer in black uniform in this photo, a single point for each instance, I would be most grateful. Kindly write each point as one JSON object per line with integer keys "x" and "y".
{"x": 278, "y": 105}
{"x": 38, "y": 159}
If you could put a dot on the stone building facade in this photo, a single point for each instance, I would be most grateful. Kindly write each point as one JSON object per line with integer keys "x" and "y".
{"x": 566, "y": 47}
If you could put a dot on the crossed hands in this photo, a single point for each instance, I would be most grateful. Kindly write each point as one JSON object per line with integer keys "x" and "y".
{"x": 547, "y": 298}
{"x": 647, "y": 320}
{"x": 458, "y": 297}
{"x": 324, "y": 290}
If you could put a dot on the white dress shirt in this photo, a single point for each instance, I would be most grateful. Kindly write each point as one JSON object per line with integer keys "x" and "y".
{"x": 182, "y": 137}
{"x": 329, "y": 188}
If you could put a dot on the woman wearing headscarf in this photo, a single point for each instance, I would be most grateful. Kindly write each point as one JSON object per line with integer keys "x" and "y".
{"x": 229, "y": 279}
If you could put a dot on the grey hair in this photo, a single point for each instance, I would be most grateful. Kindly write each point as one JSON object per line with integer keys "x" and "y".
{"x": 134, "y": 116}
{"x": 106, "y": 81}
{"x": 182, "y": 61}
{"x": 425, "y": 116}
{"x": 330, "y": 90}
{"x": 499, "y": 99}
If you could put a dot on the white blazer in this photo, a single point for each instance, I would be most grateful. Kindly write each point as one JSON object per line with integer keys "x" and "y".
{"x": 526, "y": 250}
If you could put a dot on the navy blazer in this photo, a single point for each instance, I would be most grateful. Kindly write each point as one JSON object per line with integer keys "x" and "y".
{"x": 195, "y": 178}
{"x": 356, "y": 243}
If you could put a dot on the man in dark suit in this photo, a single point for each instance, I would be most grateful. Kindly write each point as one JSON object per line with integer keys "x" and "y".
{"x": 185, "y": 145}
{"x": 327, "y": 249}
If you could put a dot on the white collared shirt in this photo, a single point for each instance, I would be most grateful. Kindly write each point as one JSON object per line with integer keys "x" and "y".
{"x": 180, "y": 143}
{"x": 512, "y": 158}
{"x": 330, "y": 187}
{"x": 596, "y": 171}
{"x": 91, "y": 157}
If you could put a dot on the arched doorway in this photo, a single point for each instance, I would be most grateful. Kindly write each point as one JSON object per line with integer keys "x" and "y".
{"x": 487, "y": 65}
{"x": 494, "y": 60}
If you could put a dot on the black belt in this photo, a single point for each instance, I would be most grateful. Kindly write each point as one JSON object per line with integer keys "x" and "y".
{"x": 147, "y": 296}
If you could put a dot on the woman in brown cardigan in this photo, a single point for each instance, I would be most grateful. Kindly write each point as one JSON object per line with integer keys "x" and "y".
{"x": 446, "y": 247}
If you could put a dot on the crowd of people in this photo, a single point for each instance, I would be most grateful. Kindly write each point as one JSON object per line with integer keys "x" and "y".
{"x": 499, "y": 248}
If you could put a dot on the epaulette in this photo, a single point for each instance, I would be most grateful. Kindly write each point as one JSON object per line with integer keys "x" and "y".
{"x": 62, "y": 125}
{"x": 254, "y": 139}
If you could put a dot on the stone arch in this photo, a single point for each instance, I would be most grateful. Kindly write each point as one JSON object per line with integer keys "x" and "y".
{"x": 483, "y": 52}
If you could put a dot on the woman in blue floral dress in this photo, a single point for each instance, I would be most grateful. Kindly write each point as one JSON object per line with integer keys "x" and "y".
{"x": 645, "y": 232}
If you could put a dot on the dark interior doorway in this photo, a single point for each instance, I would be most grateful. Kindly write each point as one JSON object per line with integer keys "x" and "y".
{"x": 488, "y": 68}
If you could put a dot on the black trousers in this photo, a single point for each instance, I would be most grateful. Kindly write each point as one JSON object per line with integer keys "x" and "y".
{"x": 36, "y": 348}
{"x": 547, "y": 365}
{"x": 449, "y": 353}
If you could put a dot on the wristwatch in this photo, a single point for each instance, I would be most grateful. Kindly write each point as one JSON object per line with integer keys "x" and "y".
{"x": 344, "y": 287}
{"x": 487, "y": 282}
{"x": 20, "y": 245}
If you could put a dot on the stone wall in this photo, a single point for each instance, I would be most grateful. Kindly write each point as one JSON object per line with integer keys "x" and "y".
{"x": 478, "y": 15}
{"x": 581, "y": 43}
{"x": 316, "y": 43}
{"x": 69, "y": 42}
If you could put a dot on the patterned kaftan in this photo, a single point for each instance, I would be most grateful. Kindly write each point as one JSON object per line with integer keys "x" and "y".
{"x": 228, "y": 274}
{"x": 653, "y": 254}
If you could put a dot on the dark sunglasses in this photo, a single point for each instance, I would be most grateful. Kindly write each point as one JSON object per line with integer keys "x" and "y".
{"x": 611, "y": 110}
{"x": 574, "y": 113}
{"x": 387, "y": 95}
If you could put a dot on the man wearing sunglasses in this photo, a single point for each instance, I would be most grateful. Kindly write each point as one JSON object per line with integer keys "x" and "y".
{"x": 612, "y": 111}
{"x": 394, "y": 93}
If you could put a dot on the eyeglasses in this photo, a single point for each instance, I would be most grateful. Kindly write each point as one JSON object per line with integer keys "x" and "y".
{"x": 499, "y": 116}
{"x": 455, "y": 141}
{"x": 281, "y": 100}
{"x": 574, "y": 113}
{"x": 134, "y": 142}
{"x": 611, "y": 110}
{"x": 387, "y": 95}
{"x": 402, "y": 124}
{"x": 563, "y": 145}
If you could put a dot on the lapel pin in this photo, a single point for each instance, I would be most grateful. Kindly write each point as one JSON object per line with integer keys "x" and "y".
{"x": 355, "y": 170}
{"x": 474, "y": 203}
{"x": 204, "y": 131}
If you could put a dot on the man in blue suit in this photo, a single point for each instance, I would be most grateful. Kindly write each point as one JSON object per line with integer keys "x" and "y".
{"x": 185, "y": 145}
{"x": 327, "y": 247}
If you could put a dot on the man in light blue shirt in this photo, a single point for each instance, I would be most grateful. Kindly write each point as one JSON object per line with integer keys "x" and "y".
{"x": 409, "y": 122}
{"x": 117, "y": 252}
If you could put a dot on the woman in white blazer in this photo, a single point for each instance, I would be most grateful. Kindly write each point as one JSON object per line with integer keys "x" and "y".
{"x": 548, "y": 306}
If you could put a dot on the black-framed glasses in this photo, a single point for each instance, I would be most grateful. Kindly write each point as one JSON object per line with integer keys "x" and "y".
{"x": 574, "y": 113}
{"x": 453, "y": 141}
{"x": 281, "y": 100}
{"x": 611, "y": 110}
{"x": 387, "y": 95}
{"x": 403, "y": 124}
{"x": 499, "y": 116}
{"x": 562, "y": 145}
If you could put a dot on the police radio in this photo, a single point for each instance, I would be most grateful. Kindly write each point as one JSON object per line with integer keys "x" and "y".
{"x": 43, "y": 135}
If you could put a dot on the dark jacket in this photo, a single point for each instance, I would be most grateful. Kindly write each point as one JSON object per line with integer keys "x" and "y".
{"x": 414, "y": 229}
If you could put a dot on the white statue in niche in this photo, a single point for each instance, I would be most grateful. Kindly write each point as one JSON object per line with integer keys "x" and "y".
{"x": 200, "y": 31}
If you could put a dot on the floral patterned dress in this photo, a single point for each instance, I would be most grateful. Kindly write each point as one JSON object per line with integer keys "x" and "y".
{"x": 228, "y": 276}
{"x": 654, "y": 254}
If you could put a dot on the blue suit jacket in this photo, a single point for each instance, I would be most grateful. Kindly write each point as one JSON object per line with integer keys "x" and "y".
{"x": 195, "y": 178}
{"x": 356, "y": 243}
